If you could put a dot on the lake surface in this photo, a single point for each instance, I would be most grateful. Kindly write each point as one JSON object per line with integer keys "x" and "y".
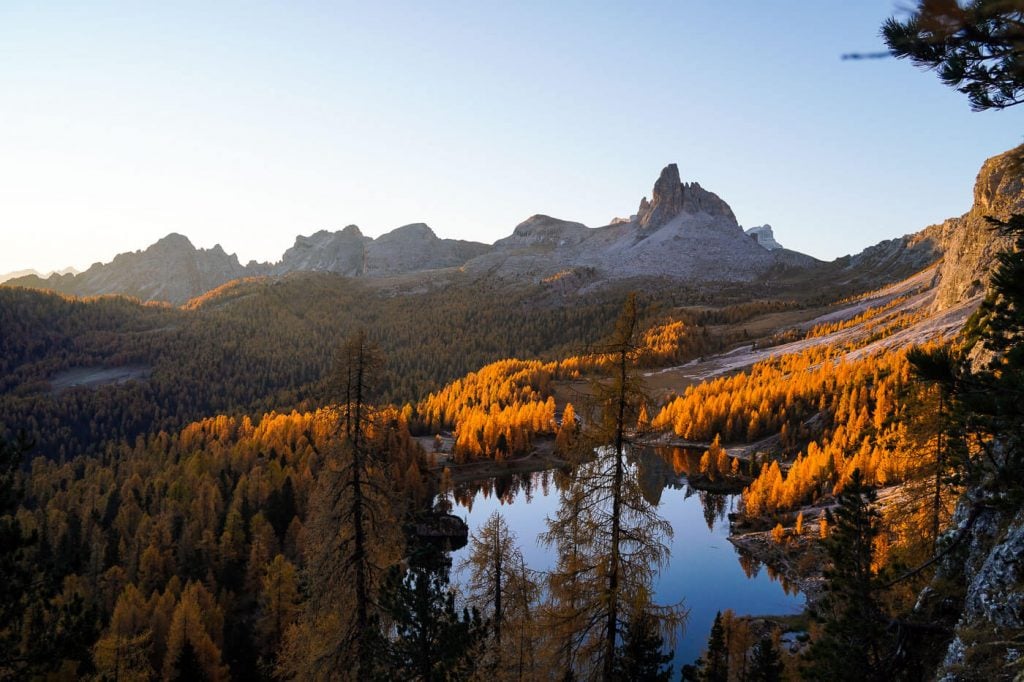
{"x": 705, "y": 571}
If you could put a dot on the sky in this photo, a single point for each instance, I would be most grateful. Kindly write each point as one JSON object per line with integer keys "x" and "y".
{"x": 246, "y": 124}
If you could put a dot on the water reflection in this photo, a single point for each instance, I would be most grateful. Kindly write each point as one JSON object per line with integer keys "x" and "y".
{"x": 704, "y": 568}
{"x": 506, "y": 489}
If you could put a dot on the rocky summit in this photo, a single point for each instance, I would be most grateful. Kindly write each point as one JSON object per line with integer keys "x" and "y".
{"x": 682, "y": 232}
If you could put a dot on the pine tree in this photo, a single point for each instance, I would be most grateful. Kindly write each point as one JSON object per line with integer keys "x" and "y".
{"x": 975, "y": 46}
{"x": 716, "y": 659}
{"x": 765, "y": 666}
{"x": 641, "y": 656}
{"x": 430, "y": 640}
{"x": 853, "y": 645}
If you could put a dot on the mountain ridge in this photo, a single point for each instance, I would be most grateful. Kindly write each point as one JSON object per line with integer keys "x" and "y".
{"x": 683, "y": 232}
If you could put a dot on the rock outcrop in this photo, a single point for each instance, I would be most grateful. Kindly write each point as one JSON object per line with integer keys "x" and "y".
{"x": 968, "y": 243}
{"x": 413, "y": 248}
{"x": 342, "y": 252}
{"x": 763, "y": 235}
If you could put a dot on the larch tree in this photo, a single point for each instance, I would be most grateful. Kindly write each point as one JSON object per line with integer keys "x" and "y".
{"x": 350, "y": 534}
{"x": 502, "y": 589}
{"x": 280, "y": 603}
{"x": 610, "y": 535}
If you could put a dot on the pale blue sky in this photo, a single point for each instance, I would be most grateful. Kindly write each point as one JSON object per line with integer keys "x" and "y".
{"x": 245, "y": 124}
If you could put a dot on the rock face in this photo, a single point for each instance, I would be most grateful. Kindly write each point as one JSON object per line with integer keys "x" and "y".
{"x": 764, "y": 237}
{"x": 969, "y": 243}
{"x": 411, "y": 248}
{"x": 171, "y": 270}
{"x": 415, "y": 247}
{"x": 341, "y": 252}
{"x": 990, "y": 567}
{"x": 683, "y": 231}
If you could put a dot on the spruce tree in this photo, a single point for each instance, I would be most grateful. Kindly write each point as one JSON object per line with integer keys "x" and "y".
{"x": 642, "y": 657}
{"x": 716, "y": 661}
{"x": 853, "y": 645}
{"x": 430, "y": 638}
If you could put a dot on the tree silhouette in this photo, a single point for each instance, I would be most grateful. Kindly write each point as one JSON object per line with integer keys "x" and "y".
{"x": 976, "y": 47}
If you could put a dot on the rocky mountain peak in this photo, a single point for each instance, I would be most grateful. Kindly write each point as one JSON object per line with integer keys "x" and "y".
{"x": 175, "y": 241}
{"x": 666, "y": 200}
{"x": 671, "y": 197}
{"x": 413, "y": 231}
{"x": 999, "y": 188}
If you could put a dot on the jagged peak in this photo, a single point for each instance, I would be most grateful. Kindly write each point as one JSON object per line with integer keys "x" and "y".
{"x": 671, "y": 197}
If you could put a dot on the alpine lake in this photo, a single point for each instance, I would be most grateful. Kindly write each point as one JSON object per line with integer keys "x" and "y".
{"x": 704, "y": 571}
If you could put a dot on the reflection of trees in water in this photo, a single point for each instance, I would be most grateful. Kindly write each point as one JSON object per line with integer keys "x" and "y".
{"x": 752, "y": 566}
{"x": 788, "y": 586}
{"x": 589, "y": 550}
{"x": 505, "y": 488}
{"x": 715, "y": 507}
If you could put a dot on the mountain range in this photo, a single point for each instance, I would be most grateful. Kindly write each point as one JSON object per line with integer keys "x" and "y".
{"x": 683, "y": 232}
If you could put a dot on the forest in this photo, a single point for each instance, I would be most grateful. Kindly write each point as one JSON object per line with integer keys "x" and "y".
{"x": 273, "y": 491}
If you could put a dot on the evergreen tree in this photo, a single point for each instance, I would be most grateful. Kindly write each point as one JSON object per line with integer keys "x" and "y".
{"x": 430, "y": 640}
{"x": 853, "y": 645}
{"x": 716, "y": 659}
{"x": 975, "y": 46}
{"x": 766, "y": 666}
{"x": 994, "y": 396}
{"x": 641, "y": 656}
{"x": 940, "y": 367}
{"x": 188, "y": 667}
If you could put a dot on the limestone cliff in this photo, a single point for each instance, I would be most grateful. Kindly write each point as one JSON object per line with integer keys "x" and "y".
{"x": 968, "y": 243}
